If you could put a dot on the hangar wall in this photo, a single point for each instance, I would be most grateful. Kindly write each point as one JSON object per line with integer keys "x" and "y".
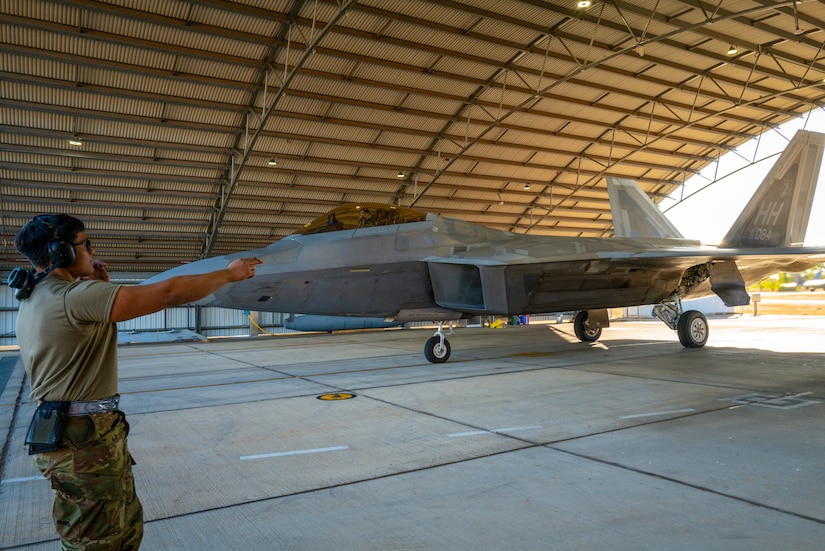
{"x": 214, "y": 322}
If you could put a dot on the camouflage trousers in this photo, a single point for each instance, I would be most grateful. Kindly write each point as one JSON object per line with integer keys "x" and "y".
{"x": 95, "y": 505}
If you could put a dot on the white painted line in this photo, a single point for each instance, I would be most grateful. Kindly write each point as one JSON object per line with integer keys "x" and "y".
{"x": 24, "y": 479}
{"x": 657, "y": 413}
{"x": 493, "y": 431}
{"x": 294, "y": 452}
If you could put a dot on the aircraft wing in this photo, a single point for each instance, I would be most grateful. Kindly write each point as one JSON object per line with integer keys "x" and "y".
{"x": 511, "y": 282}
{"x": 648, "y": 261}
{"x": 684, "y": 257}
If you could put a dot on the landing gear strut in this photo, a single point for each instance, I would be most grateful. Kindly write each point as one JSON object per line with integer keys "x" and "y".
{"x": 691, "y": 326}
{"x": 437, "y": 349}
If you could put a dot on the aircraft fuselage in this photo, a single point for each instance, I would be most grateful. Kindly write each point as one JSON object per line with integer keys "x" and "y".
{"x": 415, "y": 271}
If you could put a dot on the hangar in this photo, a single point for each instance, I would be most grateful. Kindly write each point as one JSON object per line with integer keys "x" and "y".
{"x": 184, "y": 129}
{"x": 180, "y": 129}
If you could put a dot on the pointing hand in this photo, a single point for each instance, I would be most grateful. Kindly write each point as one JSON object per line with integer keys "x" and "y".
{"x": 242, "y": 268}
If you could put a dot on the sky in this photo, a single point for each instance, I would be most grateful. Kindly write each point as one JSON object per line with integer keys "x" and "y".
{"x": 708, "y": 214}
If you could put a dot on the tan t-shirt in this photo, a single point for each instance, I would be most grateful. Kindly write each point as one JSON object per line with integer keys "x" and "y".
{"x": 67, "y": 343}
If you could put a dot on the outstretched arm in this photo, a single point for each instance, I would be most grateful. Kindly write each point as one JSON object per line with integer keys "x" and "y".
{"x": 138, "y": 300}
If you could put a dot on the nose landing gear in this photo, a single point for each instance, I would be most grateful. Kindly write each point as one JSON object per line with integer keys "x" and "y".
{"x": 437, "y": 349}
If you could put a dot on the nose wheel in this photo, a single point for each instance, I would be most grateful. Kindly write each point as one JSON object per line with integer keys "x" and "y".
{"x": 437, "y": 349}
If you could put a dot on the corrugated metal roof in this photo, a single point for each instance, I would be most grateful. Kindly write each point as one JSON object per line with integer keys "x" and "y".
{"x": 180, "y": 108}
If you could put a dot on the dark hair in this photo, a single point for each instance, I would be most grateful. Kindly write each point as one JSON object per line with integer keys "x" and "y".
{"x": 33, "y": 239}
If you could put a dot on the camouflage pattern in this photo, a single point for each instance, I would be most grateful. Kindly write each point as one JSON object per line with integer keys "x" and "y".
{"x": 95, "y": 504}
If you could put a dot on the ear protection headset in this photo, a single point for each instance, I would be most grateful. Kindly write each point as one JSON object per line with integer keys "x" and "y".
{"x": 61, "y": 255}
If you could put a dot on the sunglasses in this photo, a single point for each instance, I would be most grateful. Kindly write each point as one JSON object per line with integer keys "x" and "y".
{"x": 88, "y": 244}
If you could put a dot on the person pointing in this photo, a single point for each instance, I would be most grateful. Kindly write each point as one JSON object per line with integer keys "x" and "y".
{"x": 67, "y": 332}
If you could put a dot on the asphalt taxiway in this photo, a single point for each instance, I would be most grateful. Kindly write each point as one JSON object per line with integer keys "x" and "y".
{"x": 525, "y": 439}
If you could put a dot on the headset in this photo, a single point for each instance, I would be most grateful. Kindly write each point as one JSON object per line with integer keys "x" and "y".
{"x": 61, "y": 255}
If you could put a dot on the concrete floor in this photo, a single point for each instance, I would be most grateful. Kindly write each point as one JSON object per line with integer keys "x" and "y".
{"x": 525, "y": 439}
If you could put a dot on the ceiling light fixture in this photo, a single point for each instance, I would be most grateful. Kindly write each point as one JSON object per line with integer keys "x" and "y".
{"x": 581, "y": 4}
{"x": 75, "y": 141}
{"x": 732, "y": 50}
{"x": 400, "y": 174}
{"x": 526, "y": 187}
{"x": 273, "y": 162}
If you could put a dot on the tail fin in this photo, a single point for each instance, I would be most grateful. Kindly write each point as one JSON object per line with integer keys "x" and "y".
{"x": 634, "y": 214}
{"x": 777, "y": 214}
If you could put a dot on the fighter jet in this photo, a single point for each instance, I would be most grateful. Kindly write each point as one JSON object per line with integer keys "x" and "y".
{"x": 814, "y": 283}
{"x": 400, "y": 265}
{"x": 799, "y": 282}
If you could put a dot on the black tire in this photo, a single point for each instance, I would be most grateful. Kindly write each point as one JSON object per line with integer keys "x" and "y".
{"x": 584, "y": 332}
{"x": 435, "y": 352}
{"x": 692, "y": 329}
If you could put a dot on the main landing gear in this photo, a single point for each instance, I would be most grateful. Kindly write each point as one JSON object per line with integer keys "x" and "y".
{"x": 692, "y": 329}
{"x": 584, "y": 332}
{"x": 691, "y": 326}
{"x": 437, "y": 349}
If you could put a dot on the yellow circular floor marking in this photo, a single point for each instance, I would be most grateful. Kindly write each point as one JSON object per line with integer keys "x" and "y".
{"x": 336, "y": 396}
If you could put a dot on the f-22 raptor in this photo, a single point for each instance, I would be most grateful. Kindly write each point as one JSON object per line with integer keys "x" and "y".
{"x": 400, "y": 265}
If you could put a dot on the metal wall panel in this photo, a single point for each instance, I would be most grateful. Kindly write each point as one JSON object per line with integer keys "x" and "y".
{"x": 215, "y": 322}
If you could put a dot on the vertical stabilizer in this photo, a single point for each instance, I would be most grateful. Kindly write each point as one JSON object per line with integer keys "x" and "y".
{"x": 634, "y": 214}
{"x": 777, "y": 214}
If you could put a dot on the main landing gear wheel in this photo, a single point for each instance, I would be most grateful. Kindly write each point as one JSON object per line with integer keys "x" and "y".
{"x": 584, "y": 332}
{"x": 692, "y": 329}
{"x": 437, "y": 350}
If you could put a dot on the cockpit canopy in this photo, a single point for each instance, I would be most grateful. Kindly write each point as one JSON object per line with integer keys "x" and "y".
{"x": 351, "y": 216}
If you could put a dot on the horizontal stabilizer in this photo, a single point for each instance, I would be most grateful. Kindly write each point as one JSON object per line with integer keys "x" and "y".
{"x": 634, "y": 214}
{"x": 777, "y": 214}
